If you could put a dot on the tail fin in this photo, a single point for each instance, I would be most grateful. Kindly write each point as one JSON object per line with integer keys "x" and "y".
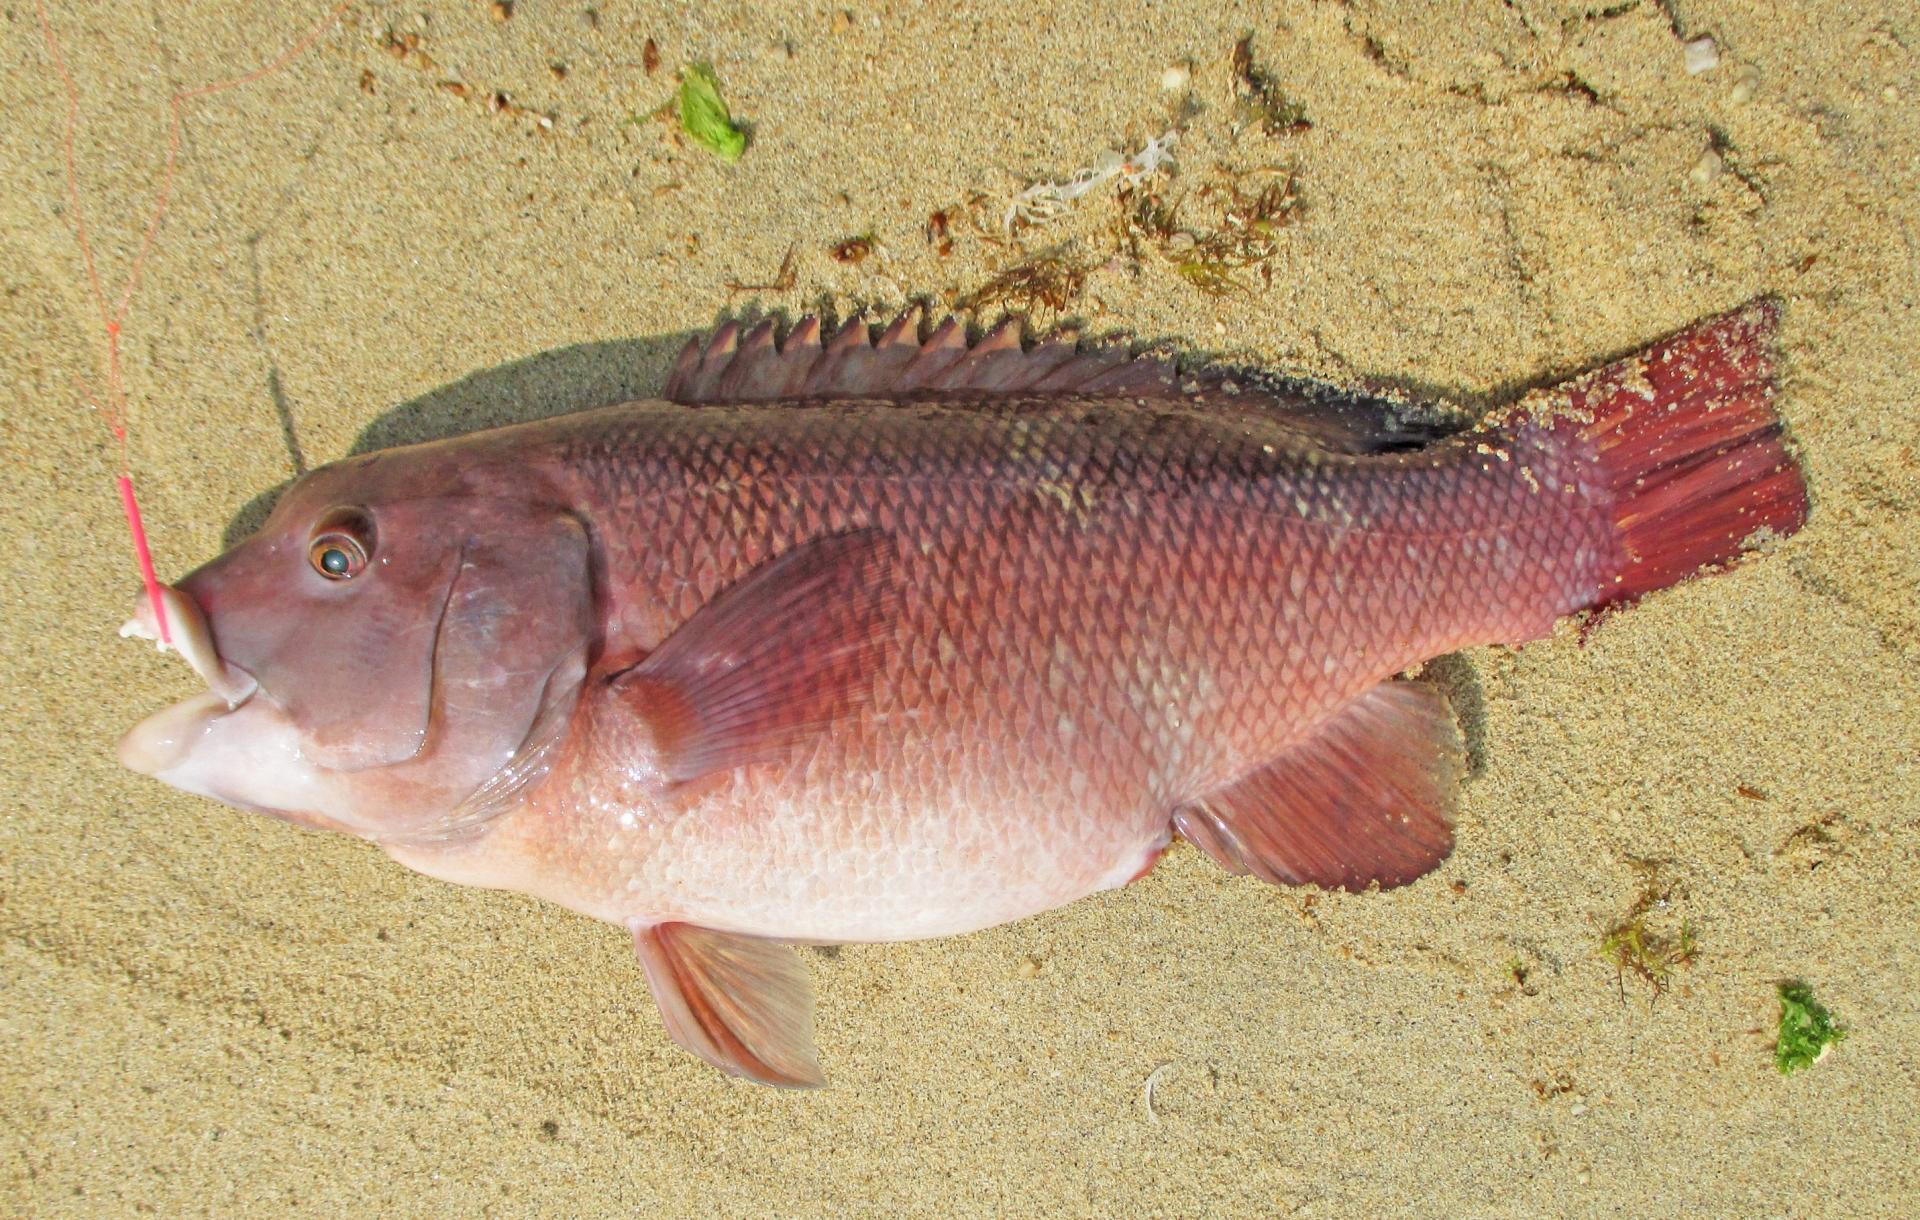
{"x": 1686, "y": 438}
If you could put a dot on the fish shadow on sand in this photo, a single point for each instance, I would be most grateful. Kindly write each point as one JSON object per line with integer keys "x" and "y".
{"x": 1457, "y": 675}
{"x": 579, "y": 377}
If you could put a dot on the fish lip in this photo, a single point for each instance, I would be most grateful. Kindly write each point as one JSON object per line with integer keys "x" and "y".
{"x": 164, "y": 745}
{"x": 193, "y": 640}
{"x": 160, "y": 741}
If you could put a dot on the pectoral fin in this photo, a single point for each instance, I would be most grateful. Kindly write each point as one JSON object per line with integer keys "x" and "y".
{"x": 741, "y": 1003}
{"x": 771, "y": 661}
{"x": 1368, "y": 797}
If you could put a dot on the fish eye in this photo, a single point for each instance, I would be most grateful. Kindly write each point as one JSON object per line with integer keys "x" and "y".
{"x": 341, "y": 545}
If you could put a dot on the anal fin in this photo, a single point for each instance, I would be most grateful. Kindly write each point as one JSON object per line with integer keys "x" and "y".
{"x": 1368, "y": 797}
{"x": 741, "y": 1003}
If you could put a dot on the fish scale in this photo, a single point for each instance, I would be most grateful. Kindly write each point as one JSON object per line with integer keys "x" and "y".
{"x": 1165, "y": 593}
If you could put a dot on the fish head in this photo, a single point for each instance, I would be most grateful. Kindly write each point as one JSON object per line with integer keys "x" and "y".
{"x": 390, "y": 655}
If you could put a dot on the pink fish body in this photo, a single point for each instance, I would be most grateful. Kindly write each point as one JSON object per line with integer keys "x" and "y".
{"x": 888, "y": 638}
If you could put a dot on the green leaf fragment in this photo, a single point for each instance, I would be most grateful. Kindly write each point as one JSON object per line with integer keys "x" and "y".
{"x": 1807, "y": 1029}
{"x": 704, "y": 115}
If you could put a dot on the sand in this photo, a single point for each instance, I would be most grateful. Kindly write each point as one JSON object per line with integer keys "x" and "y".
{"x": 207, "y": 1012}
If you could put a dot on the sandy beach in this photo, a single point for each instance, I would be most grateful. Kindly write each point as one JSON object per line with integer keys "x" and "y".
{"x": 441, "y": 216}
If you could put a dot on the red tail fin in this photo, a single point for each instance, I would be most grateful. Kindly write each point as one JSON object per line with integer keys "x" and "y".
{"x": 1686, "y": 437}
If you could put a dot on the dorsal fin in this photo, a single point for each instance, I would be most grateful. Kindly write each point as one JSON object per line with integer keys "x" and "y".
{"x": 755, "y": 365}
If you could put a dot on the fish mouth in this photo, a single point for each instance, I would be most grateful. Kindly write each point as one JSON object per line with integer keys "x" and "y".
{"x": 157, "y": 744}
{"x": 193, "y": 640}
{"x": 231, "y": 742}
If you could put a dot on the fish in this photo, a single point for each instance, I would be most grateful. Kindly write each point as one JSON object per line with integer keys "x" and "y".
{"x": 903, "y": 632}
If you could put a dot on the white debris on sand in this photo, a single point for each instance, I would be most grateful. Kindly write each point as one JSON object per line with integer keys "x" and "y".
{"x": 1707, "y": 168}
{"x": 1703, "y": 55}
{"x": 1146, "y": 1091}
{"x": 1045, "y": 201}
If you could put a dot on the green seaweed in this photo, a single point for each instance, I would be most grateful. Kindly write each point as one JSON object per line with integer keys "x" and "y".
{"x": 1636, "y": 946}
{"x": 1051, "y": 279}
{"x": 1807, "y": 1029}
{"x": 1247, "y": 239}
{"x": 704, "y": 115}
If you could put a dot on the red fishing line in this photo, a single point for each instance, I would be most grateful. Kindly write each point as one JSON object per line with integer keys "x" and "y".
{"x": 115, "y": 406}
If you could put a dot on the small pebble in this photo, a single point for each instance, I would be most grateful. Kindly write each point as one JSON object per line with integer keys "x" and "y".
{"x": 1746, "y": 83}
{"x": 1702, "y": 56}
{"x": 1706, "y": 169}
{"x": 501, "y": 10}
{"x": 1176, "y": 78}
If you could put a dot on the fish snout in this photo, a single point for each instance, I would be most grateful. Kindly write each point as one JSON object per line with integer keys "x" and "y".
{"x": 232, "y": 742}
{"x": 164, "y": 742}
{"x": 188, "y": 634}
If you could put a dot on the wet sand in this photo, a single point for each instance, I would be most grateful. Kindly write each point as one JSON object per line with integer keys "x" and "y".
{"x": 207, "y": 1012}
